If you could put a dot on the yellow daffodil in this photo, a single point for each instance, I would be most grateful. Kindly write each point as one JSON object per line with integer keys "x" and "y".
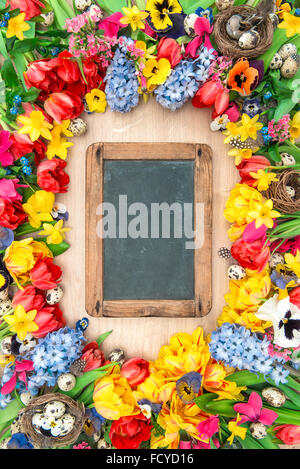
{"x": 21, "y": 322}
{"x": 58, "y": 146}
{"x": 21, "y": 256}
{"x": 16, "y": 26}
{"x": 157, "y": 72}
{"x": 236, "y": 430}
{"x": 241, "y": 154}
{"x": 282, "y": 7}
{"x": 113, "y": 397}
{"x": 263, "y": 179}
{"x": 263, "y": 214}
{"x": 134, "y": 17}
{"x": 249, "y": 127}
{"x": 96, "y": 100}
{"x": 160, "y": 13}
{"x": 232, "y": 130}
{"x": 293, "y": 262}
{"x": 39, "y": 207}
{"x": 295, "y": 127}
{"x": 63, "y": 128}
{"x": 35, "y": 125}
{"x": 55, "y": 234}
{"x": 291, "y": 23}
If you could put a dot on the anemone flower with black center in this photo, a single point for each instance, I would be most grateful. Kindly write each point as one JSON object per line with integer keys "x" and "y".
{"x": 188, "y": 386}
{"x": 160, "y": 14}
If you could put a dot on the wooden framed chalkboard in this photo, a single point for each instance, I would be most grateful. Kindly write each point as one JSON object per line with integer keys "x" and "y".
{"x": 136, "y": 267}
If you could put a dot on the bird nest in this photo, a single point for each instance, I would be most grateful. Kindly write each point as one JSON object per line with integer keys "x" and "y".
{"x": 282, "y": 201}
{"x": 230, "y": 47}
{"x": 37, "y": 404}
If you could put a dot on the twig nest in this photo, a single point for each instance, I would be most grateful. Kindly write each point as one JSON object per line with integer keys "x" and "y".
{"x": 274, "y": 19}
{"x": 287, "y": 50}
{"x": 66, "y": 382}
{"x": 249, "y": 39}
{"x": 102, "y": 444}
{"x": 54, "y": 295}
{"x": 287, "y": 159}
{"x": 276, "y": 62}
{"x": 276, "y": 259}
{"x": 233, "y": 27}
{"x": 258, "y": 430}
{"x": 189, "y": 24}
{"x": 48, "y": 19}
{"x": 5, "y": 306}
{"x": 26, "y": 397}
{"x": 290, "y": 66}
{"x": 290, "y": 191}
{"x": 78, "y": 127}
{"x": 16, "y": 426}
{"x": 273, "y": 396}
{"x": 224, "y": 4}
{"x": 117, "y": 355}
{"x": 82, "y": 5}
{"x": 5, "y": 345}
{"x": 236, "y": 272}
{"x": 4, "y": 442}
{"x": 282, "y": 200}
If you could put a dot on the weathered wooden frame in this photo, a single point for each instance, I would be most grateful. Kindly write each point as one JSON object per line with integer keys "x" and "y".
{"x": 94, "y": 269}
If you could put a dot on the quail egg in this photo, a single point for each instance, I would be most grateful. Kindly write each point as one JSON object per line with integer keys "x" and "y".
{"x": 276, "y": 259}
{"x": 66, "y": 382}
{"x": 276, "y": 62}
{"x": 290, "y": 191}
{"x": 48, "y": 19}
{"x": 5, "y": 306}
{"x": 275, "y": 397}
{"x": 54, "y": 409}
{"x": 287, "y": 50}
{"x": 287, "y": 159}
{"x": 26, "y": 397}
{"x": 258, "y": 430}
{"x": 38, "y": 420}
{"x": 6, "y": 345}
{"x": 233, "y": 27}
{"x": 54, "y": 295}
{"x": 82, "y": 5}
{"x": 78, "y": 127}
{"x": 290, "y": 66}
{"x": 68, "y": 422}
{"x": 189, "y": 24}
{"x": 236, "y": 272}
{"x": 249, "y": 40}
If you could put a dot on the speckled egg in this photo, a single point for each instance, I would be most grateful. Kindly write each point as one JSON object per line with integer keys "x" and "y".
{"x": 275, "y": 20}
{"x": 68, "y": 422}
{"x": 82, "y": 5}
{"x": 95, "y": 12}
{"x": 38, "y": 420}
{"x": 48, "y": 19}
{"x": 258, "y": 430}
{"x": 224, "y": 4}
{"x": 102, "y": 444}
{"x": 287, "y": 50}
{"x": 5, "y": 307}
{"x": 287, "y": 159}
{"x": 275, "y": 397}
{"x": 249, "y": 40}
{"x": 233, "y": 27}
{"x": 54, "y": 409}
{"x": 26, "y": 397}
{"x": 290, "y": 191}
{"x": 54, "y": 295}
{"x": 276, "y": 259}
{"x": 276, "y": 62}
{"x": 66, "y": 382}
{"x": 290, "y": 67}
{"x": 6, "y": 345}
{"x": 189, "y": 24}
{"x": 236, "y": 272}
{"x": 117, "y": 355}
{"x": 78, "y": 127}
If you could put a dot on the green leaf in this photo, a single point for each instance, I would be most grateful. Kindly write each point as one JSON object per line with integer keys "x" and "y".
{"x": 189, "y": 7}
{"x": 102, "y": 337}
{"x": 31, "y": 95}
{"x": 31, "y": 32}
{"x": 11, "y": 411}
{"x": 112, "y": 6}
{"x": 9, "y": 74}
{"x": 21, "y": 66}
{"x": 26, "y": 45}
{"x": 284, "y": 107}
{"x": 141, "y": 4}
{"x": 25, "y": 229}
{"x": 57, "y": 249}
{"x": 3, "y": 50}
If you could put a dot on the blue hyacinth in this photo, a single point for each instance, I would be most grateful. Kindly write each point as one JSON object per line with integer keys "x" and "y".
{"x": 185, "y": 80}
{"x": 122, "y": 82}
{"x": 237, "y": 347}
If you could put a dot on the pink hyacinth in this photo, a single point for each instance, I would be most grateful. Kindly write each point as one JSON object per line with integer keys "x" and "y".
{"x": 253, "y": 411}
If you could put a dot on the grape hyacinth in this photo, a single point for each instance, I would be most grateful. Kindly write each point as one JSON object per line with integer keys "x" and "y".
{"x": 184, "y": 81}
{"x": 237, "y": 347}
{"x": 122, "y": 82}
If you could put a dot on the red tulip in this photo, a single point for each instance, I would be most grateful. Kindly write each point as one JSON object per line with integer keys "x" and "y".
{"x": 288, "y": 434}
{"x": 93, "y": 357}
{"x": 295, "y": 296}
{"x": 211, "y": 93}
{"x": 31, "y": 8}
{"x": 253, "y": 256}
{"x": 63, "y": 106}
{"x": 30, "y": 298}
{"x": 135, "y": 371}
{"x": 45, "y": 275}
{"x": 11, "y": 214}
{"x": 169, "y": 49}
{"x": 255, "y": 163}
{"x": 232, "y": 112}
{"x": 129, "y": 432}
{"x": 51, "y": 177}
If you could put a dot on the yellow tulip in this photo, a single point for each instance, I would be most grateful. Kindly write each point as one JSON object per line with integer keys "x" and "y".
{"x": 155, "y": 388}
{"x": 293, "y": 262}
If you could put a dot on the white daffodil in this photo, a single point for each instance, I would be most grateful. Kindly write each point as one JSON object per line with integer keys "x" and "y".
{"x": 285, "y": 317}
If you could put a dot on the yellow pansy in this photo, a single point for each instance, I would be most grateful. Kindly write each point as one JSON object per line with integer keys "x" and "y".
{"x": 16, "y": 26}
{"x": 263, "y": 179}
{"x": 35, "y": 125}
{"x": 293, "y": 262}
{"x": 157, "y": 72}
{"x": 96, "y": 100}
{"x": 134, "y": 17}
{"x": 113, "y": 397}
{"x": 295, "y": 127}
{"x": 58, "y": 145}
{"x": 55, "y": 233}
{"x": 160, "y": 11}
{"x": 249, "y": 127}
{"x": 39, "y": 207}
{"x": 21, "y": 322}
{"x": 241, "y": 154}
{"x": 291, "y": 23}
{"x": 7, "y": 360}
{"x": 236, "y": 430}
{"x": 263, "y": 214}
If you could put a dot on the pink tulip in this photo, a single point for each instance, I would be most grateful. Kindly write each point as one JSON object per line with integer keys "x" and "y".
{"x": 8, "y": 189}
{"x": 253, "y": 411}
{"x": 6, "y": 157}
{"x": 63, "y": 106}
{"x": 251, "y": 233}
{"x": 208, "y": 427}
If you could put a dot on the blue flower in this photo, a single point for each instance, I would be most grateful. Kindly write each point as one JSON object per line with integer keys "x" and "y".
{"x": 205, "y": 13}
{"x": 188, "y": 386}
{"x": 6, "y": 237}
{"x": 19, "y": 441}
{"x": 251, "y": 107}
{"x": 4, "y": 400}
{"x": 82, "y": 324}
{"x": 93, "y": 422}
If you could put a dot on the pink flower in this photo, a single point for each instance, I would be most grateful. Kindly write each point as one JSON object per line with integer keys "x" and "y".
{"x": 82, "y": 445}
{"x": 6, "y": 157}
{"x": 208, "y": 427}
{"x": 111, "y": 25}
{"x": 251, "y": 233}
{"x": 202, "y": 29}
{"x": 198, "y": 445}
{"x": 253, "y": 411}
{"x": 8, "y": 189}
{"x": 21, "y": 367}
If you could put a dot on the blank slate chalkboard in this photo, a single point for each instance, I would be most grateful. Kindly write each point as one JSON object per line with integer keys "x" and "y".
{"x": 140, "y": 265}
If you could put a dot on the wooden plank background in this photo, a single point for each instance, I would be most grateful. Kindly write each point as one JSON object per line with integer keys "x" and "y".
{"x": 146, "y": 123}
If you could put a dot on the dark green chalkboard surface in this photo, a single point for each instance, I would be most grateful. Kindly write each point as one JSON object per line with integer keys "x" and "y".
{"x": 148, "y": 268}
